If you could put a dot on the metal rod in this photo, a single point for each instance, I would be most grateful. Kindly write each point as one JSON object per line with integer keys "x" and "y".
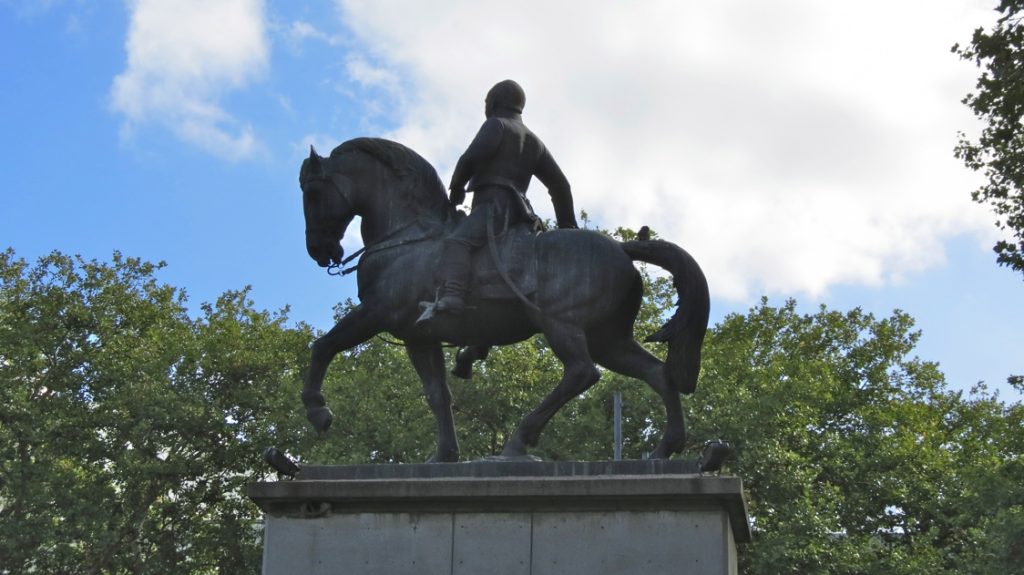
{"x": 617, "y": 402}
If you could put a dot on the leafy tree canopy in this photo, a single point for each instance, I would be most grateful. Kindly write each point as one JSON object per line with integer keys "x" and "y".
{"x": 128, "y": 428}
{"x": 999, "y": 150}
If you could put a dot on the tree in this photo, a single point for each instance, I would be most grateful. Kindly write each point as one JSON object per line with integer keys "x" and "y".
{"x": 999, "y": 102}
{"x": 127, "y": 428}
{"x": 990, "y": 510}
{"x": 856, "y": 457}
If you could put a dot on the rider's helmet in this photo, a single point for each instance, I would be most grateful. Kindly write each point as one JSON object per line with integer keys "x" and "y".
{"x": 506, "y": 94}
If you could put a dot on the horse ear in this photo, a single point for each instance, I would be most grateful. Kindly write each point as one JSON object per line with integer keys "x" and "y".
{"x": 314, "y": 160}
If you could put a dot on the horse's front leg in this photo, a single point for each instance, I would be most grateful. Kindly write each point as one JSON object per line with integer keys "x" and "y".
{"x": 429, "y": 363}
{"x": 466, "y": 357}
{"x": 358, "y": 326}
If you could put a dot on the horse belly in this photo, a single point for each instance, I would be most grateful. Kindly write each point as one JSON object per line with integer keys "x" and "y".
{"x": 486, "y": 322}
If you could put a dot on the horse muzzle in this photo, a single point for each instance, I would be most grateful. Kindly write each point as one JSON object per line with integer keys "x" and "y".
{"x": 324, "y": 252}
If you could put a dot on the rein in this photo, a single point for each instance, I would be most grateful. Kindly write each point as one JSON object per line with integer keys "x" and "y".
{"x": 384, "y": 244}
{"x": 339, "y": 269}
{"x": 336, "y": 270}
{"x": 500, "y": 265}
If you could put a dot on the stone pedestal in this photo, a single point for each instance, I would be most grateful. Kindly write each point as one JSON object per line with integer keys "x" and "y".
{"x": 534, "y": 518}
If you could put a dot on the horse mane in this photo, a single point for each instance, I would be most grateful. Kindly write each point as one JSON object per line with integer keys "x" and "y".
{"x": 421, "y": 184}
{"x": 395, "y": 156}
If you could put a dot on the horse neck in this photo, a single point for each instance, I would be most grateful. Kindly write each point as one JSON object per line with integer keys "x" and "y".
{"x": 386, "y": 202}
{"x": 386, "y": 213}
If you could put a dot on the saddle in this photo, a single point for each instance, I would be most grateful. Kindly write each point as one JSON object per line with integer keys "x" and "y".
{"x": 514, "y": 249}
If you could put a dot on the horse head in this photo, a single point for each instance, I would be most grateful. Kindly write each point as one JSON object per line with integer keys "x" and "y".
{"x": 392, "y": 188}
{"x": 326, "y": 208}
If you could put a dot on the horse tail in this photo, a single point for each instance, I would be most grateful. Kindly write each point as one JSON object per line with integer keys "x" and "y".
{"x": 685, "y": 330}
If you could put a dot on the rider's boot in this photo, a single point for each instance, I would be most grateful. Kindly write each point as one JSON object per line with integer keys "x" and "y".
{"x": 455, "y": 269}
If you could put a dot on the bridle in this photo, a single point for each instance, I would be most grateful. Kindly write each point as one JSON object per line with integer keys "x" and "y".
{"x": 385, "y": 243}
{"x": 320, "y": 229}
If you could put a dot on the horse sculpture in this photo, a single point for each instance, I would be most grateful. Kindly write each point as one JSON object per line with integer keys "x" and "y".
{"x": 586, "y": 298}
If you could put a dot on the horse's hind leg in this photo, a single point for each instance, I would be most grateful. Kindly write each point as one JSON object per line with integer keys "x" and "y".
{"x": 629, "y": 358}
{"x": 353, "y": 329}
{"x": 569, "y": 343}
{"x": 429, "y": 363}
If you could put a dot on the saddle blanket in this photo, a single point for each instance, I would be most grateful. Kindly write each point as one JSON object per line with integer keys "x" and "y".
{"x": 515, "y": 252}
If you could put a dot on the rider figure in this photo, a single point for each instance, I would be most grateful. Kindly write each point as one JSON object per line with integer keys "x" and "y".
{"x": 498, "y": 167}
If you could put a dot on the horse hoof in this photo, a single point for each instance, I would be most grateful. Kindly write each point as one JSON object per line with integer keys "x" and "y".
{"x": 321, "y": 418}
{"x": 665, "y": 450}
{"x": 514, "y": 449}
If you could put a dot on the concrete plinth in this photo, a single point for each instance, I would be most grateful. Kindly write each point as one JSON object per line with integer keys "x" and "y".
{"x": 494, "y": 518}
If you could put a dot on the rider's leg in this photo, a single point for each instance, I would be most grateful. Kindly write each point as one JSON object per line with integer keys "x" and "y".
{"x": 456, "y": 258}
{"x": 454, "y": 271}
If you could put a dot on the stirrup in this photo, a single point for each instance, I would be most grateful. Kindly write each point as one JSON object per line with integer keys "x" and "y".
{"x": 451, "y": 304}
{"x": 429, "y": 309}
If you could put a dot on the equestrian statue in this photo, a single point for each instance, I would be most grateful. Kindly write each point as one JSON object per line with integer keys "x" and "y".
{"x": 430, "y": 274}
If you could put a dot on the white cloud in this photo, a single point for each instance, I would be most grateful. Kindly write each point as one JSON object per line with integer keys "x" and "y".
{"x": 299, "y": 31}
{"x": 369, "y": 76}
{"x": 791, "y": 145}
{"x": 183, "y": 56}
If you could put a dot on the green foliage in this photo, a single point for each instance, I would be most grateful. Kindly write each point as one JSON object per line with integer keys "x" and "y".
{"x": 856, "y": 457}
{"x": 999, "y": 101}
{"x": 128, "y": 428}
{"x": 987, "y": 444}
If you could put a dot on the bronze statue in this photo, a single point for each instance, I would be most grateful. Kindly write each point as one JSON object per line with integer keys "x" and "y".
{"x": 498, "y": 166}
{"x": 577, "y": 287}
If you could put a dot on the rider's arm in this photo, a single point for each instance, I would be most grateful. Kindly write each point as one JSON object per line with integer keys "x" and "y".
{"x": 557, "y": 184}
{"x": 483, "y": 146}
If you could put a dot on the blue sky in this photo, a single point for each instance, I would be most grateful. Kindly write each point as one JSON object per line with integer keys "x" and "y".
{"x": 797, "y": 148}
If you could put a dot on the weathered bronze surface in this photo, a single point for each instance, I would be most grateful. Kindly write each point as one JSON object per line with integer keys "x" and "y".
{"x": 577, "y": 287}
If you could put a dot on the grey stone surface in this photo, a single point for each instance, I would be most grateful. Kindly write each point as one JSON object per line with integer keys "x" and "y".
{"x": 492, "y": 468}
{"x": 492, "y": 543}
{"x": 592, "y": 524}
{"x": 630, "y": 542}
{"x": 359, "y": 543}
